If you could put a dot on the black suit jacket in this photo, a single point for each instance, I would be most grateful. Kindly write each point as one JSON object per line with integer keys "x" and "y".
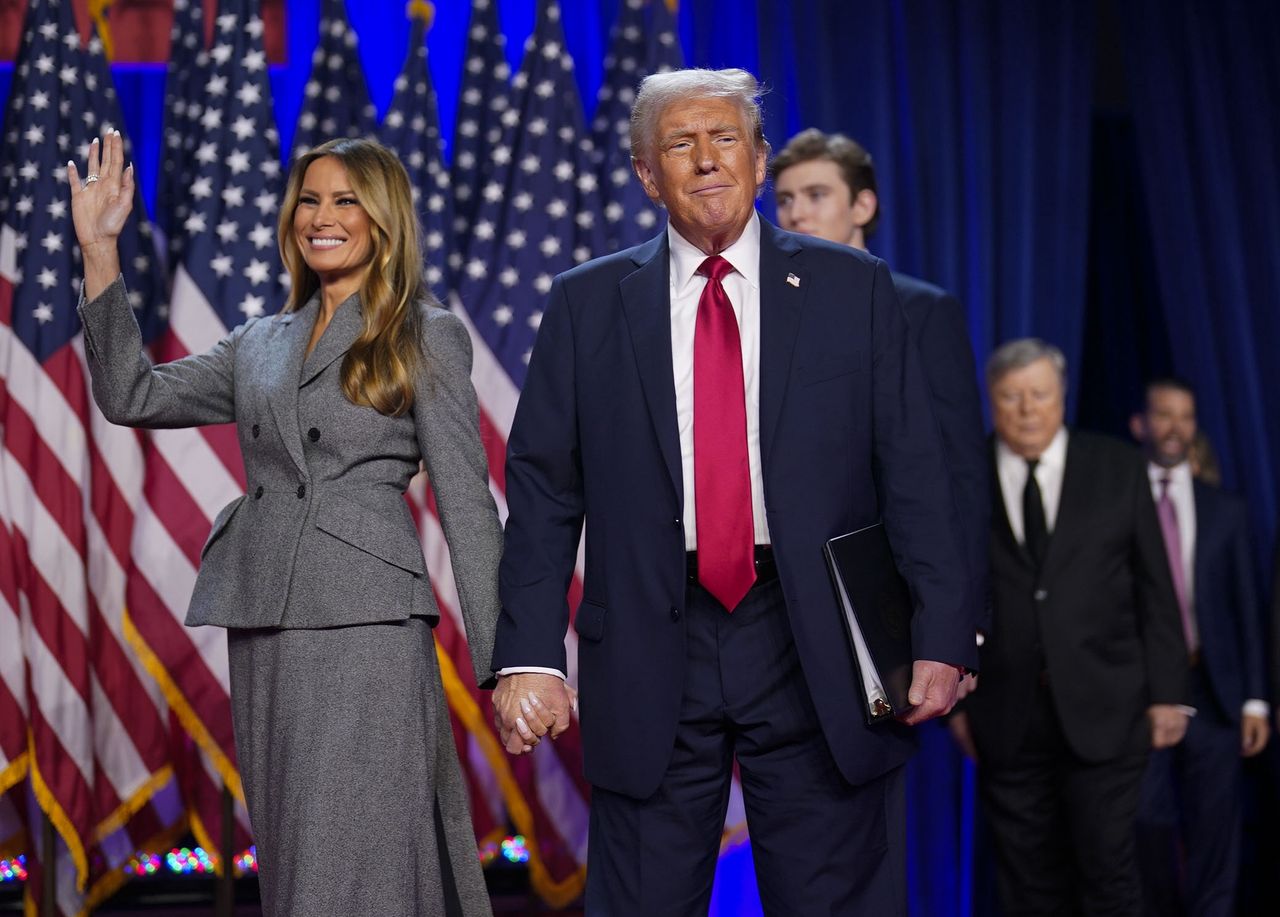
{"x": 1101, "y": 618}
{"x": 1226, "y": 601}
{"x": 847, "y": 436}
{"x": 941, "y": 335}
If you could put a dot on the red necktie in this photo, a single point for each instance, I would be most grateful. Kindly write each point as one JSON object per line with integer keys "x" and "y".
{"x": 721, "y": 469}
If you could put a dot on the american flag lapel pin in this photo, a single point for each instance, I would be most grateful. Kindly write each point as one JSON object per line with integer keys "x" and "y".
{"x": 793, "y": 280}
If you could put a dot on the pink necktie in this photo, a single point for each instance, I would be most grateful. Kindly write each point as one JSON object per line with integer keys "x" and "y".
{"x": 1173, "y": 549}
{"x": 721, "y": 469}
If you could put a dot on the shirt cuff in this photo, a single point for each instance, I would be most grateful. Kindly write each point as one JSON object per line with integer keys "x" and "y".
{"x": 529, "y": 669}
{"x": 1186, "y": 710}
{"x": 1256, "y": 707}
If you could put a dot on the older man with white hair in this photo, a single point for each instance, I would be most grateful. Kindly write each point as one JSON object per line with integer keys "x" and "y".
{"x": 715, "y": 405}
{"x": 1084, "y": 666}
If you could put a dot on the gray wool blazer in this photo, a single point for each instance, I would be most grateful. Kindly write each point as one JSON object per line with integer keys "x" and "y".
{"x": 323, "y": 536}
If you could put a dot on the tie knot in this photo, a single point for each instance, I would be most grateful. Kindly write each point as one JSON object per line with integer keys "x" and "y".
{"x": 1031, "y": 465}
{"x": 1165, "y": 480}
{"x": 715, "y": 268}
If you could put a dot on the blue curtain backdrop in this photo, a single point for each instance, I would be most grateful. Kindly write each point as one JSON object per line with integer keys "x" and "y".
{"x": 979, "y": 116}
{"x": 1205, "y": 83}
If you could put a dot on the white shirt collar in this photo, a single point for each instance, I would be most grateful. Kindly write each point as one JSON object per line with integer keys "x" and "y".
{"x": 743, "y": 254}
{"x": 1054, "y": 455}
{"x": 1179, "y": 474}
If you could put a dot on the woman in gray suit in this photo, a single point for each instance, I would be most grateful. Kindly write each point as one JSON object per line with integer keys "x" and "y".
{"x": 342, "y": 735}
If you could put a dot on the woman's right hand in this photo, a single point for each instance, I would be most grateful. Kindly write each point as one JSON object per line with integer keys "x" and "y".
{"x": 102, "y": 199}
{"x": 100, "y": 205}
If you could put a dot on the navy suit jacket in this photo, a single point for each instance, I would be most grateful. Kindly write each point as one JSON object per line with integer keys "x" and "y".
{"x": 941, "y": 335}
{"x": 1226, "y": 601}
{"x": 847, "y": 436}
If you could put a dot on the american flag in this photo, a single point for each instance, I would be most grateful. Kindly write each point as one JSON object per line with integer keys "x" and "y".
{"x": 483, "y": 100}
{"x": 640, "y": 44}
{"x": 96, "y": 724}
{"x": 184, "y": 93}
{"x": 337, "y": 98}
{"x": 230, "y": 271}
{"x": 412, "y": 129}
{"x": 539, "y": 214}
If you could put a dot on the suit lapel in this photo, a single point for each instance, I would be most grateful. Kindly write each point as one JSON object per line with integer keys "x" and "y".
{"x": 1204, "y": 526}
{"x": 1000, "y": 513}
{"x": 1073, "y": 496}
{"x": 646, "y": 302}
{"x": 783, "y": 288}
{"x": 344, "y": 328}
{"x": 292, "y": 329}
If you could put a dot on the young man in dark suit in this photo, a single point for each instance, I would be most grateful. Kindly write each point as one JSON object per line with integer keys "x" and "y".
{"x": 825, "y": 186}
{"x": 1084, "y": 664}
{"x": 1192, "y": 792}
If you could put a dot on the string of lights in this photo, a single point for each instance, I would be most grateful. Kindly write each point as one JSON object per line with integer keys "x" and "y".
{"x": 197, "y": 861}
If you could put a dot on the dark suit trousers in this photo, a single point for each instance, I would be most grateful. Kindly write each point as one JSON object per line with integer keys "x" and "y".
{"x": 821, "y": 846}
{"x": 1063, "y": 827}
{"x": 1190, "y": 816}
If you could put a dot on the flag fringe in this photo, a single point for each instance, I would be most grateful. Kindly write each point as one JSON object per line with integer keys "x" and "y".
{"x": 555, "y": 893}
{"x": 179, "y": 705}
{"x": 126, "y": 810}
{"x": 53, "y": 811}
{"x": 12, "y": 775}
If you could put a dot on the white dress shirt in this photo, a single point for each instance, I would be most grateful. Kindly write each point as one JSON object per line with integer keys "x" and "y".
{"x": 1182, "y": 493}
{"x": 743, "y": 288}
{"x": 1011, "y": 468}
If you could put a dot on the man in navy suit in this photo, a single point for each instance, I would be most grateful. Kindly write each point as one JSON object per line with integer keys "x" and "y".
{"x": 1192, "y": 792}
{"x": 715, "y": 405}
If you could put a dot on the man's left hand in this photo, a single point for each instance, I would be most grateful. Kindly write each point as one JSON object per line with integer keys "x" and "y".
{"x": 1254, "y": 732}
{"x": 932, "y": 692}
{"x": 1168, "y": 725}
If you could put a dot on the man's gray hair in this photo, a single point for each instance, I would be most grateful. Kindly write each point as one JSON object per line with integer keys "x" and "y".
{"x": 658, "y": 90}
{"x": 1021, "y": 353}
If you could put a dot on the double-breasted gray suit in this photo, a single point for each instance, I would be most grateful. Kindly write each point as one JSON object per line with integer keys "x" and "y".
{"x": 341, "y": 730}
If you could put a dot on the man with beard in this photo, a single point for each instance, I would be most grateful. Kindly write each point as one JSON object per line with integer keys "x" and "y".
{"x": 1192, "y": 791}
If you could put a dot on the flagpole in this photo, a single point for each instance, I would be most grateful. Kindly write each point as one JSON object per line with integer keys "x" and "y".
{"x": 225, "y": 898}
{"x": 48, "y": 860}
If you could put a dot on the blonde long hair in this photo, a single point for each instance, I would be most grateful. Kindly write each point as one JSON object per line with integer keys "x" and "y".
{"x": 379, "y": 369}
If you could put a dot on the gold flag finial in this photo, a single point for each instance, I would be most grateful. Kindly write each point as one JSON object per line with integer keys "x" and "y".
{"x": 673, "y": 5}
{"x": 98, "y": 12}
{"x": 422, "y": 9}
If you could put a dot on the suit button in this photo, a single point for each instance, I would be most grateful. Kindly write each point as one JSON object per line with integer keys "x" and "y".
{"x": 313, "y": 434}
{"x": 1041, "y": 595}
{"x": 256, "y": 430}
{"x": 257, "y": 494}
{"x": 302, "y": 491}
{"x": 675, "y": 613}
{"x": 676, "y": 522}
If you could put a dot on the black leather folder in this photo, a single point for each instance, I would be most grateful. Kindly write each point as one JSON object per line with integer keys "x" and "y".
{"x": 876, "y": 608}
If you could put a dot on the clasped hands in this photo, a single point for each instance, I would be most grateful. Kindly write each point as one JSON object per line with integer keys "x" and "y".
{"x": 530, "y": 705}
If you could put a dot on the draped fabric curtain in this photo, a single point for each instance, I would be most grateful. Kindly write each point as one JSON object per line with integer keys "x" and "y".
{"x": 1205, "y": 85}
{"x": 977, "y": 115}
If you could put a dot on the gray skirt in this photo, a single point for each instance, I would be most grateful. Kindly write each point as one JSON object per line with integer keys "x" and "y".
{"x": 350, "y": 774}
